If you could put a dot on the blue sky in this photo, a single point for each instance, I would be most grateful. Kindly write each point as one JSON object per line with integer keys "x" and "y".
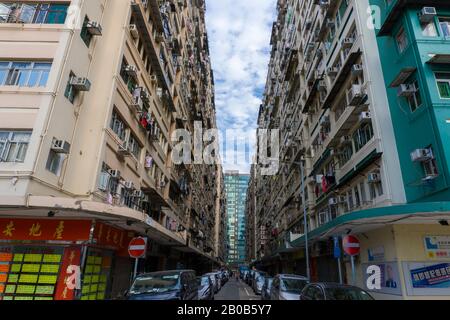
{"x": 239, "y": 35}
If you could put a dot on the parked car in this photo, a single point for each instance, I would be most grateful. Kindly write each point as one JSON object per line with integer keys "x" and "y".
{"x": 214, "y": 280}
{"x": 164, "y": 285}
{"x": 244, "y": 275}
{"x": 250, "y": 277}
{"x": 205, "y": 288}
{"x": 287, "y": 287}
{"x": 255, "y": 280}
{"x": 219, "y": 279}
{"x": 265, "y": 292}
{"x": 333, "y": 291}
{"x": 259, "y": 283}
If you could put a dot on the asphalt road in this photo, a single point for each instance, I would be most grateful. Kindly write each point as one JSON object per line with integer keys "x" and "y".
{"x": 236, "y": 290}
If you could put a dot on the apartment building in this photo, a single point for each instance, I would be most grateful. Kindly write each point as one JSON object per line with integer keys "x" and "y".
{"x": 90, "y": 94}
{"x": 220, "y": 245}
{"x": 359, "y": 90}
{"x": 250, "y": 225}
{"x": 236, "y": 185}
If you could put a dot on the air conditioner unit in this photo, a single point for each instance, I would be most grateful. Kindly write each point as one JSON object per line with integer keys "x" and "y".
{"x": 80, "y": 84}
{"x": 134, "y": 31}
{"x": 138, "y": 194}
{"x": 346, "y": 139}
{"x": 60, "y": 146}
{"x": 308, "y": 24}
{"x": 128, "y": 185}
{"x": 324, "y": 3}
{"x": 356, "y": 95}
{"x": 347, "y": 43}
{"x": 364, "y": 116}
{"x": 333, "y": 202}
{"x": 330, "y": 23}
{"x": 159, "y": 93}
{"x": 373, "y": 177}
{"x": 131, "y": 70}
{"x": 319, "y": 178}
{"x": 427, "y": 14}
{"x": 114, "y": 174}
{"x": 145, "y": 95}
{"x": 357, "y": 70}
{"x": 406, "y": 90}
{"x": 124, "y": 150}
{"x": 137, "y": 103}
{"x": 421, "y": 155}
{"x": 332, "y": 71}
{"x": 153, "y": 78}
{"x": 322, "y": 86}
{"x": 342, "y": 199}
{"x": 94, "y": 28}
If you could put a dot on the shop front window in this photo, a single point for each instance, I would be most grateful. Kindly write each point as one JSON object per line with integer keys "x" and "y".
{"x": 96, "y": 274}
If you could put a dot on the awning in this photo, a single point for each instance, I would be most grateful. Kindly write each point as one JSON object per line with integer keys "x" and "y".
{"x": 402, "y": 76}
{"x": 439, "y": 59}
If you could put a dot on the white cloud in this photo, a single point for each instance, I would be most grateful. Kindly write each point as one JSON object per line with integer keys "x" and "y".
{"x": 239, "y": 36}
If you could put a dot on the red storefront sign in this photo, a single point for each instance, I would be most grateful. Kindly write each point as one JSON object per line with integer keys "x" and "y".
{"x": 45, "y": 229}
{"x": 109, "y": 236}
{"x": 72, "y": 257}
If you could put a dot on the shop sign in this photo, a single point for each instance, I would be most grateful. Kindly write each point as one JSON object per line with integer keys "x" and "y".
{"x": 375, "y": 254}
{"x": 427, "y": 278}
{"x": 437, "y": 247}
{"x": 432, "y": 276}
{"x": 389, "y": 278}
{"x": 109, "y": 236}
{"x": 69, "y": 278}
{"x": 45, "y": 229}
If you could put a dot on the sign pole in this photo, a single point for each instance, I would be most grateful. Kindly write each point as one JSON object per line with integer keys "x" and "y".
{"x": 352, "y": 259}
{"x": 136, "y": 262}
{"x": 340, "y": 270}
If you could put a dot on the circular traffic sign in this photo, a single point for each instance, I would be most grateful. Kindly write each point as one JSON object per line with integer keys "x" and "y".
{"x": 351, "y": 245}
{"x": 137, "y": 247}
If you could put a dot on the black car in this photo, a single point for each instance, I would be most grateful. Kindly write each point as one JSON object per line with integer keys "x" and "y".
{"x": 205, "y": 288}
{"x": 333, "y": 291}
{"x": 165, "y": 285}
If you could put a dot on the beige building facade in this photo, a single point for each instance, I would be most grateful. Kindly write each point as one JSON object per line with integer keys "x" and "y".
{"x": 90, "y": 95}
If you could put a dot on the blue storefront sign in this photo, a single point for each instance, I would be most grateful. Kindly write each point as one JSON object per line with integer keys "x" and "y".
{"x": 432, "y": 276}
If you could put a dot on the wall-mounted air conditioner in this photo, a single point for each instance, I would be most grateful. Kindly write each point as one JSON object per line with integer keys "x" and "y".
{"x": 373, "y": 177}
{"x": 421, "y": 155}
{"x": 406, "y": 90}
{"x": 60, "y": 146}
{"x": 80, "y": 84}
{"x": 427, "y": 14}
{"x": 94, "y": 28}
{"x": 133, "y": 31}
{"x": 114, "y": 173}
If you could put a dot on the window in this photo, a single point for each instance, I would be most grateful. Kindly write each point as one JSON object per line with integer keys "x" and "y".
{"x": 402, "y": 40}
{"x": 24, "y": 74}
{"x": 70, "y": 93}
{"x": 86, "y": 36}
{"x": 44, "y": 13}
{"x": 362, "y": 136}
{"x": 443, "y": 83}
{"x": 54, "y": 162}
{"x": 134, "y": 146}
{"x": 128, "y": 79}
{"x": 118, "y": 126}
{"x": 415, "y": 100}
{"x": 14, "y": 145}
{"x": 444, "y": 23}
{"x": 429, "y": 29}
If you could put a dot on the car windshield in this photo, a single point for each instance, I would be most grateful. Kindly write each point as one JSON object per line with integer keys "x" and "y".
{"x": 292, "y": 285}
{"x": 343, "y": 293}
{"x": 157, "y": 283}
{"x": 204, "y": 281}
{"x": 269, "y": 282}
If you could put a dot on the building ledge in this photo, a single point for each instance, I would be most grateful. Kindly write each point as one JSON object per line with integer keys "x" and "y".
{"x": 365, "y": 220}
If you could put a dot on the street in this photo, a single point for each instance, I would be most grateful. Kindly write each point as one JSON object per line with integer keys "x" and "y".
{"x": 234, "y": 290}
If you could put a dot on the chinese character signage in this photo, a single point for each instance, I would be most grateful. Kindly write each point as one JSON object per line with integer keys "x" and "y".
{"x": 431, "y": 276}
{"x": 113, "y": 237}
{"x": 437, "y": 247}
{"x": 44, "y": 229}
{"x": 72, "y": 257}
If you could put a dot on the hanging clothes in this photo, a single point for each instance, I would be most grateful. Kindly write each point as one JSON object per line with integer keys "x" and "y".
{"x": 148, "y": 162}
{"x": 324, "y": 184}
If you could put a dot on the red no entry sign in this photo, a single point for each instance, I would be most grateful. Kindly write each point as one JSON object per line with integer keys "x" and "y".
{"x": 351, "y": 245}
{"x": 137, "y": 247}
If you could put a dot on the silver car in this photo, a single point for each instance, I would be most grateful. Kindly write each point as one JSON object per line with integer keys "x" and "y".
{"x": 287, "y": 287}
{"x": 215, "y": 281}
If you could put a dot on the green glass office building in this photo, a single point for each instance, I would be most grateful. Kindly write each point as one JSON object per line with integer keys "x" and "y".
{"x": 236, "y": 191}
